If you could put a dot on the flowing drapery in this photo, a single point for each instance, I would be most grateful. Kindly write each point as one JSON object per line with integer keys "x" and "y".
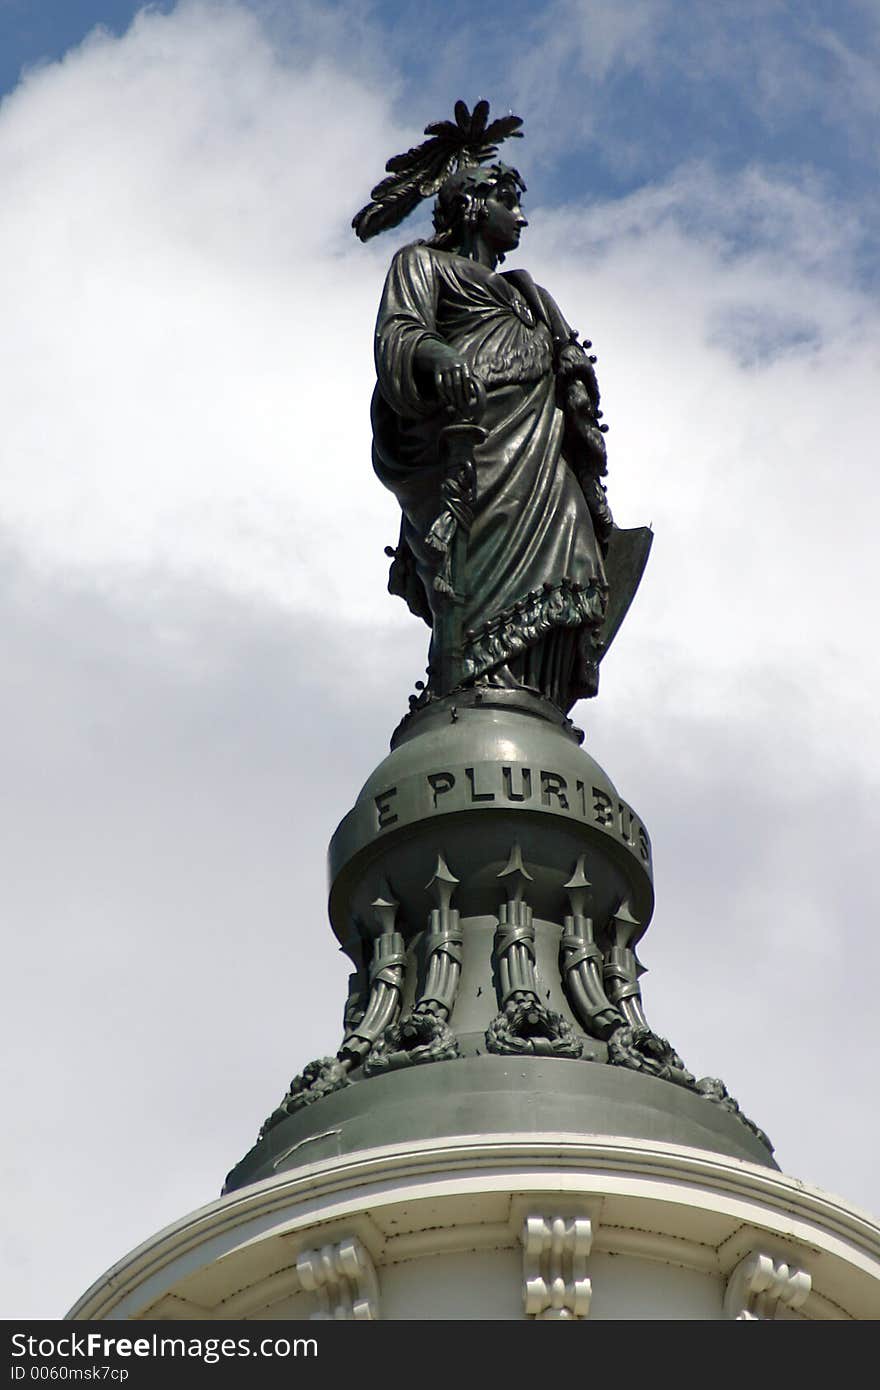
{"x": 535, "y": 590}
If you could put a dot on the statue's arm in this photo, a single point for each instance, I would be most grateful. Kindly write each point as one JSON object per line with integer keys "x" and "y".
{"x": 578, "y": 385}
{"x": 573, "y": 362}
{"x": 416, "y": 368}
{"x": 407, "y": 319}
{"x": 578, "y": 393}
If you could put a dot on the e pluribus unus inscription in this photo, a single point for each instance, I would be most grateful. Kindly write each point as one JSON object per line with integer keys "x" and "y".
{"x": 499, "y": 784}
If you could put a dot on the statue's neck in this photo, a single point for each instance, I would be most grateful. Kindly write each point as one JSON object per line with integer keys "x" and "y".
{"x": 477, "y": 249}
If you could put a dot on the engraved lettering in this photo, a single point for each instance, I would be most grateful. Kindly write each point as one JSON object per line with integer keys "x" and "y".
{"x": 475, "y": 795}
{"x": 440, "y": 783}
{"x": 582, "y": 793}
{"x": 644, "y": 845}
{"x": 626, "y": 822}
{"x": 554, "y": 785}
{"x": 525, "y": 780}
{"x": 383, "y": 809}
{"x": 603, "y": 807}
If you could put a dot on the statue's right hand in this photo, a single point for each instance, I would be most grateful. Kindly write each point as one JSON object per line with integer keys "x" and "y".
{"x": 453, "y": 382}
{"x": 456, "y": 387}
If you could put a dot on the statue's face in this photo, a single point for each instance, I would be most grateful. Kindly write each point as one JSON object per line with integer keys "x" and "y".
{"x": 504, "y": 218}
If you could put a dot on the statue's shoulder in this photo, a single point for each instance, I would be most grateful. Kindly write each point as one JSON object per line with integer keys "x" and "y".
{"x": 414, "y": 265}
{"x": 542, "y": 303}
{"x": 417, "y": 254}
{"x": 420, "y": 268}
{"x": 527, "y": 285}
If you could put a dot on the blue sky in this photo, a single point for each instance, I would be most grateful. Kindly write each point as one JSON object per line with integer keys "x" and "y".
{"x": 618, "y": 92}
{"x": 38, "y": 33}
{"x": 185, "y": 455}
{"x": 789, "y": 83}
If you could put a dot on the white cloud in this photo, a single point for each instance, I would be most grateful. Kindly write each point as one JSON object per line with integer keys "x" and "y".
{"x": 704, "y": 72}
{"x": 180, "y": 287}
{"x": 199, "y": 628}
{"x": 574, "y": 47}
{"x": 752, "y": 464}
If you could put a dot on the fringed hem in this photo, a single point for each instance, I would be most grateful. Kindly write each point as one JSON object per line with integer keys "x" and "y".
{"x": 566, "y": 604}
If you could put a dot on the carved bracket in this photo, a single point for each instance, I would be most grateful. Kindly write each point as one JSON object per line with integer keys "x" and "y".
{"x": 555, "y": 1283}
{"x": 758, "y": 1286}
{"x": 344, "y": 1278}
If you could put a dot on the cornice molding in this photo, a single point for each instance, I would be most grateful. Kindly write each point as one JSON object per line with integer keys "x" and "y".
{"x": 338, "y": 1189}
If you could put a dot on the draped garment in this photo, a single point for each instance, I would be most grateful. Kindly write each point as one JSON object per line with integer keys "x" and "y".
{"x": 534, "y": 572}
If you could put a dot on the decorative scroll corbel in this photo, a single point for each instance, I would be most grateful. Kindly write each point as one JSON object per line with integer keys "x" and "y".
{"x": 581, "y": 961}
{"x": 425, "y": 1035}
{"x": 760, "y": 1284}
{"x": 344, "y": 1278}
{"x": 524, "y": 1025}
{"x": 555, "y": 1283}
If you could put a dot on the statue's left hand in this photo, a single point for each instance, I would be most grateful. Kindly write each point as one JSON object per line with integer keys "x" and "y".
{"x": 574, "y": 364}
{"x": 583, "y": 425}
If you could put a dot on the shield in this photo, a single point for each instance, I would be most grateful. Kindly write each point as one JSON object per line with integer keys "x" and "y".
{"x": 625, "y": 562}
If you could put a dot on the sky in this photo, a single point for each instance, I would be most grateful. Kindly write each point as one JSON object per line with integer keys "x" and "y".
{"x": 200, "y": 662}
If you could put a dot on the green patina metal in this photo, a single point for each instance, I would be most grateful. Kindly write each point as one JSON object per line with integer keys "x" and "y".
{"x": 490, "y": 885}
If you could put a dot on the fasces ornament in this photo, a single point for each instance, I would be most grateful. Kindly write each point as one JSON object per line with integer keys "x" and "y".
{"x": 490, "y": 886}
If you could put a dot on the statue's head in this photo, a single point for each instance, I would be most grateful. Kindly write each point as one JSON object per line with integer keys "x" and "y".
{"x": 455, "y": 165}
{"x": 484, "y": 200}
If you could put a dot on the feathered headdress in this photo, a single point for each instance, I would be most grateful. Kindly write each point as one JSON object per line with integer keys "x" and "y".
{"x": 421, "y": 172}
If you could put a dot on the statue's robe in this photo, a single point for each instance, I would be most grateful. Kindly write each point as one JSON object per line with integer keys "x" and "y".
{"x": 535, "y": 585}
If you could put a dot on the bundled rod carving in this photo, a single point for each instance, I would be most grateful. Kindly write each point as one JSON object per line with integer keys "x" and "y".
{"x": 582, "y": 962}
{"x": 622, "y": 969}
{"x": 364, "y": 1027}
{"x": 386, "y": 985}
{"x": 600, "y": 978}
{"x": 442, "y": 946}
{"x": 425, "y": 1035}
{"x": 515, "y": 937}
{"x": 524, "y": 1025}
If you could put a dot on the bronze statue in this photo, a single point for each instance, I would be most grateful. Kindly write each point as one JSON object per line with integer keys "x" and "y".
{"x": 486, "y": 426}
